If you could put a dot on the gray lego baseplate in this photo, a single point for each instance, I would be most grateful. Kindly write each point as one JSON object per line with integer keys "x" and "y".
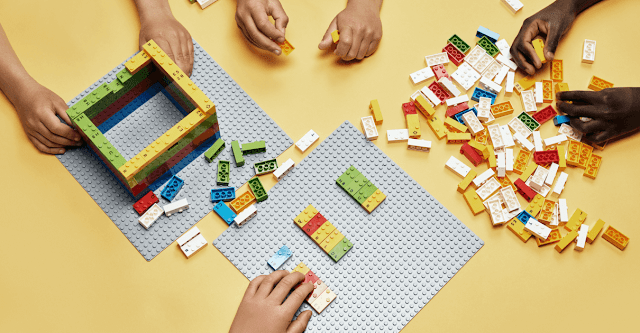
{"x": 239, "y": 117}
{"x": 403, "y": 252}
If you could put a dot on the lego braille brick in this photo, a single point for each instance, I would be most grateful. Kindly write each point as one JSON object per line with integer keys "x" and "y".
{"x": 235, "y": 111}
{"x": 538, "y": 46}
{"x": 374, "y": 107}
{"x": 225, "y": 213}
{"x": 145, "y": 202}
{"x": 566, "y": 240}
{"x": 286, "y": 47}
{"x": 554, "y": 237}
{"x": 517, "y": 228}
{"x": 279, "y": 258}
{"x": 307, "y": 140}
{"x": 151, "y": 216}
{"x": 375, "y": 256}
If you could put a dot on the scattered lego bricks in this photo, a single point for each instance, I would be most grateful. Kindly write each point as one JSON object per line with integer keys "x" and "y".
{"x": 322, "y": 296}
{"x": 323, "y": 233}
{"x": 360, "y": 189}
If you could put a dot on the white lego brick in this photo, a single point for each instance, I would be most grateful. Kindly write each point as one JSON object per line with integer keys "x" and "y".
{"x": 437, "y": 59}
{"x": 509, "y": 158}
{"x": 537, "y": 229}
{"x": 510, "y": 198}
{"x": 246, "y": 215}
{"x": 551, "y": 176}
{"x": 431, "y": 96}
{"x": 496, "y": 136}
{"x": 466, "y": 76}
{"x": 307, "y": 140}
{"x": 421, "y": 75}
{"x": 492, "y": 70}
{"x": 537, "y": 141}
{"x": 150, "y": 216}
{"x": 419, "y": 145}
{"x": 323, "y": 301}
{"x": 176, "y": 206}
{"x": 495, "y": 212}
{"x": 528, "y": 101}
{"x": 458, "y": 167}
{"x": 507, "y": 62}
{"x": 472, "y": 122}
{"x": 507, "y": 138}
{"x": 457, "y": 100}
{"x": 513, "y": 5}
{"x": 543, "y": 191}
{"x": 582, "y": 237}
{"x": 504, "y": 48}
{"x": 415, "y": 95}
{"x": 511, "y": 77}
{"x": 554, "y": 140}
{"x": 538, "y": 178}
{"x": 483, "y": 63}
{"x": 589, "y": 51}
{"x": 398, "y": 135}
{"x": 283, "y": 169}
{"x": 519, "y": 127}
{"x": 369, "y": 128}
{"x": 562, "y": 179}
{"x": 502, "y": 74}
{"x": 449, "y": 86}
{"x": 193, "y": 246}
{"x": 501, "y": 166}
{"x": 538, "y": 90}
{"x": 554, "y": 218}
{"x": 205, "y": 3}
{"x": 491, "y": 119}
{"x": 570, "y": 132}
{"x": 487, "y": 84}
{"x": 509, "y": 215}
{"x": 484, "y": 108}
{"x": 481, "y": 178}
{"x": 489, "y": 188}
{"x": 189, "y": 235}
{"x": 563, "y": 210}
{"x": 474, "y": 56}
{"x": 523, "y": 142}
{"x": 496, "y": 196}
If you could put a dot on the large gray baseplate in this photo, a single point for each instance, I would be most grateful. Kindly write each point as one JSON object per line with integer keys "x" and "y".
{"x": 239, "y": 117}
{"x": 404, "y": 251}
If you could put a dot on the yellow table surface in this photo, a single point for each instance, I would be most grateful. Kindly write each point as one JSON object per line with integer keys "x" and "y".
{"x": 64, "y": 266}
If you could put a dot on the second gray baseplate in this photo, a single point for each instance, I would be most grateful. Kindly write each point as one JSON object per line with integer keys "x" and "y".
{"x": 239, "y": 118}
{"x": 403, "y": 252}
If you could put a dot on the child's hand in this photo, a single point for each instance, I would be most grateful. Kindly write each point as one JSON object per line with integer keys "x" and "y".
{"x": 614, "y": 111}
{"x": 171, "y": 36}
{"x": 37, "y": 107}
{"x": 252, "y": 17}
{"x": 264, "y": 310}
{"x": 360, "y": 30}
{"x": 551, "y": 23}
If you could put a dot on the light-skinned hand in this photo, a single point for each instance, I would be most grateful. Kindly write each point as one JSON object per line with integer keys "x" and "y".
{"x": 172, "y": 37}
{"x": 252, "y": 17}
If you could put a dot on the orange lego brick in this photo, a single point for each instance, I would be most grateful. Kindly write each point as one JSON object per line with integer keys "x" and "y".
{"x": 566, "y": 240}
{"x": 554, "y": 237}
{"x": 562, "y": 163}
{"x": 517, "y": 228}
{"x": 247, "y": 199}
{"x": 525, "y": 83}
{"x": 458, "y": 137}
{"x": 454, "y": 126}
{"x": 505, "y": 181}
{"x": 528, "y": 171}
{"x": 482, "y": 136}
{"x": 538, "y": 46}
{"x": 557, "y": 70}
{"x": 573, "y": 153}
{"x": 595, "y": 231}
{"x": 491, "y": 161}
{"x": 561, "y": 87}
{"x": 437, "y": 126}
{"x": 616, "y": 238}
{"x": 593, "y": 166}
{"x": 576, "y": 220}
{"x": 535, "y": 205}
{"x": 474, "y": 202}
{"x": 286, "y": 47}
{"x": 546, "y": 213}
{"x": 374, "y": 107}
{"x": 597, "y": 84}
{"x": 521, "y": 161}
{"x": 547, "y": 91}
{"x": 585, "y": 154}
{"x": 464, "y": 184}
{"x": 502, "y": 109}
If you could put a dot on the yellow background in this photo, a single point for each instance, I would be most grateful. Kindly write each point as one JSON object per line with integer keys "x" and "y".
{"x": 64, "y": 266}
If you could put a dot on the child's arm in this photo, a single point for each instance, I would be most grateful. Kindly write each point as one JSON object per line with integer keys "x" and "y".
{"x": 264, "y": 309}
{"x": 252, "y": 17}
{"x": 157, "y": 23}
{"x": 612, "y": 112}
{"x": 551, "y": 23}
{"x": 36, "y": 105}
{"x": 360, "y": 30}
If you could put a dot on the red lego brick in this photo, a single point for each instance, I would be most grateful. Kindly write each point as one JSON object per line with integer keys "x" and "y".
{"x": 453, "y": 110}
{"x": 409, "y": 108}
{"x": 310, "y": 277}
{"x": 471, "y": 154}
{"x": 145, "y": 202}
{"x": 546, "y": 157}
{"x": 456, "y": 56}
{"x": 314, "y": 224}
{"x": 525, "y": 191}
{"x": 440, "y": 72}
{"x": 439, "y": 91}
{"x": 545, "y": 114}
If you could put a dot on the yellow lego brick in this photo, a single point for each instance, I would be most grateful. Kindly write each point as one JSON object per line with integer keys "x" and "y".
{"x": 331, "y": 240}
{"x": 524, "y": 84}
{"x": 557, "y": 70}
{"x": 521, "y": 161}
{"x": 424, "y": 106}
{"x": 595, "y": 231}
{"x": 321, "y": 234}
{"x": 454, "y": 126}
{"x": 528, "y": 171}
{"x": 300, "y": 220}
{"x": 554, "y": 237}
{"x": 505, "y": 181}
{"x": 616, "y": 238}
{"x": 585, "y": 154}
{"x": 491, "y": 161}
{"x": 576, "y": 220}
{"x": 458, "y": 137}
{"x": 547, "y": 91}
{"x": 573, "y": 152}
{"x": 464, "y": 184}
{"x": 566, "y": 240}
{"x": 561, "y": 87}
{"x": 597, "y": 84}
{"x": 535, "y": 205}
{"x": 182, "y": 81}
{"x": 138, "y": 62}
{"x": 286, "y": 47}
{"x": 482, "y": 136}
{"x": 562, "y": 163}
{"x": 546, "y": 213}
{"x": 593, "y": 166}
{"x": 374, "y": 201}
{"x": 479, "y": 148}
{"x": 437, "y": 126}
{"x": 517, "y": 228}
{"x": 413, "y": 125}
{"x": 538, "y": 46}
{"x": 473, "y": 201}
{"x": 502, "y": 109}
{"x": 247, "y": 199}
{"x": 335, "y": 35}
{"x": 374, "y": 107}
{"x": 302, "y": 268}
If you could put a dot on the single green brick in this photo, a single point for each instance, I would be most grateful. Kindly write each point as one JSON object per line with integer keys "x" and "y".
{"x": 111, "y": 153}
{"x": 340, "y": 249}
{"x": 258, "y": 190}
{"x": 124, "y": 75}
{"x": 355, "y": 185}
{"x": 215, "y": 149}
{"x": 265, "y": 167}
{"x": 365, "y": 192}
{"x": 347, "y": 177}
{"x": 223, "y": 173}
{"x": 459, "y": 43}
{"x": 237, "y": 153}
{"x": 254, "y": 148}
{"x": 488, "y": 46}
{"x": 526, "y": 119}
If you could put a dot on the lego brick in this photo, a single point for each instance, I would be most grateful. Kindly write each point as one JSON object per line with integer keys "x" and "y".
{"x": 509, "y": 158}
{"x": 538, "y": 178}
{"x": 595, "y": 231}
{"x": 562, "y": 179}
{"x": 408, "y": 108}
{"x": 563, "y": 210}
{"x": 589, "y": 51}
{"x": 225, "y": 213}
{"x": 566, "y": 240}
{"x": 483, "y": 63}
{"x": 502, "y": 109}
{"x": 560, "y": 86}
{"x": 547, "y": 93}
{"x": 282, "y": 170}
{"x": 223, "y": 194}
{"x": 279, "y": 258}
{"x": 176, "y": 206}
{"x": 151, "y": 215}
{"x": 482, "y": 137}
{"x": 340, "y": 249}
{"x": 483, "y": 177}
{"x": 545, "y": 114}
{"x": 255, "y": 185}
{"x": 314, "y": 224}
{"x": 455, "y": 55}
{"x": 555, "y": 140}
{"x": 331, "y": 240}
{"x": 474, "y": 202}
{"x": 551, "y": 176}
{"x": 521, "y": 161}
{"x": 484, "y": 109}
{"x": 335, "y": 36}
{"x": 471, "y": 154}
{"x": 137, "y": 62}
{"x": 254, "y": 147}
{"x": 570, "y": 132}
{"x": 492, "y": 36}
{"x": 585, "y": 155}
{"x": 546, "y": 212}
{"x": 237, "y": 153}
{"x": 537, "y": 143}
{"x": 488, "y": 46}
{"x": 424, "y": 106}
{"x": 518, "y": 229}
{"x": 355, "y": 185}
{"x": 559, "y": 120}
{"x": 205, "y": 3}
{"x": 477, "y": 93}
{"x": 528, "y": 121}
{"x": 582, "y": 237}
{"x": 308, "y": 139}
{"x": 546, "y": 156}
{"x": 466, "y": 76}
{"x": 305, "y": 216}
{"x": 374, "y": 201}
{"x": 172, "y": 188}
{"x": 459, "y": 43}
{"x": 246, "y": 215}
{"x": 573, "y": 153}
{"x": 446, "y": 83}
{"x": 458, "y": 137}
{"x": 145, "y": 202}
{"x": 510, "y": 199}
{"x": 457, "y": 166}
{"x": 265, "y": 167}
{"x": 490, "y": 187}
{"x": 413, "y": 126}
{"x": 494, "y": 209}
{"x": 320, "y": 233}
{"x": 420, "y": 76}
{"x": 557, "y": 70}
{"x": 489, "y": 74}
{"x": 524, "y": 84}
{"x": 510, "y": 84}
{"x": 554, "y": 237}
{"x": 528, "y": 101}
{"x": 365, "y": 192}
{"x": 576, "y": 220}
{"x": 440, "y": 72}
{"x": 464, "y": 184}
{"x": 542, "y": 190}
{"x": 458, "y": 116}
{"x": 562, "y": 163}
{"x": 537, "y": 229}
{"x": 374, "y": 107}
{"x": 301, "y": 268}
{"x": 535, "y": 205}
{"x": 513, "y": 5}
{"x": 436, "y": 59}
{"x": 615, "y": 237}
{"x": 490, "y": 86}
{"x": 437, "y": 90}
{"x": 504, "y": 48}
{"x": 507, "y": 137}
{"x": 496, "y": 136}
{"x": 397, "y": 135}
{"x": 506, "y": 62}
{"x": 538, "y": 46}
{"x": 419, "y": 145}
{"x": 286, "y": 47}
{"x": 323, "y": 301}
{"x": 347, "y": 177}
{"x": 453, "y": 126}
{"x": 214, "y": 151}
{"x": 524, "y": 190}
{"x": 245, "y": 200}
{"x": 523, "y": 142}
{"x": 524, "y": 216}
{"x": 223, "y": 173}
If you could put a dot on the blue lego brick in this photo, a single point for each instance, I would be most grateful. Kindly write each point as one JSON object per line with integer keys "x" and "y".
{"x": 223, "y": 194}
{"x": 477, "y": 93}
{"x": 458, "y": 116}
{"x": 559, "y": 120}
{"x": 129, "y": 108}
{"x": 173, "y": 186}
{"x": 482, "y": 31}
{"x": 279, "y": 257}
{"x": 225, "y": 213}
{"x": 524, "y": 217}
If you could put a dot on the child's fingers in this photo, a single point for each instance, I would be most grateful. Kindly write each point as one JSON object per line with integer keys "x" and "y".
{"x": 279, "y": 16}
{"x": 60, "y": 108}
{"x": 355, "y": 45}
{"x": 602, "y": 136}
{"x": 298, "y": 296}
{"x": 327, "y": 40}
{"x": 185, "y": 59}
{"x": 364, "y": 47}
{"x": 285, "y": 285}
{"x": 56, "y": 131}
{"x": 346, "y": 38}
{"x": 522, "y": 62}
{"x": 254, "y": 285}
{"x": 267, "y": 285}
{"x": 373, "y": 47}
{"x": 550, "y": 45}
{"x": 263, "y": 24}
{"x": 41, "y": 147}
{"x": 592, "y": 126}
{"x": 591, "y": 97}
{"x": 45, "y": 141}
{"x": 191, "y": 53}
{"x": 300, "y": 324}
{"x": 259, "y": 39}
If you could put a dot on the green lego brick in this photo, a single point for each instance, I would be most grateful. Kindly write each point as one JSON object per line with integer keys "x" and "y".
{"x": 111, "y": 153}
{"x": 237, "y": 153}
{"x": 223, "y": 173}
{"x": 459, "y": 43}
{"x": 340, "y": 249}
{"x": 265, "y": 167}
{"x": 258, "y": 190}
{"x": 103, "y": 145}
{"x": 526, "y": 119}
{"x": 215, "y": 149}
{"x": 365, "y": 192}
{"x": 355, "y": 185}
{"x": 254, "y": 148}
{"x": 347, "y": 177}
{"x": 488, "y": 46}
